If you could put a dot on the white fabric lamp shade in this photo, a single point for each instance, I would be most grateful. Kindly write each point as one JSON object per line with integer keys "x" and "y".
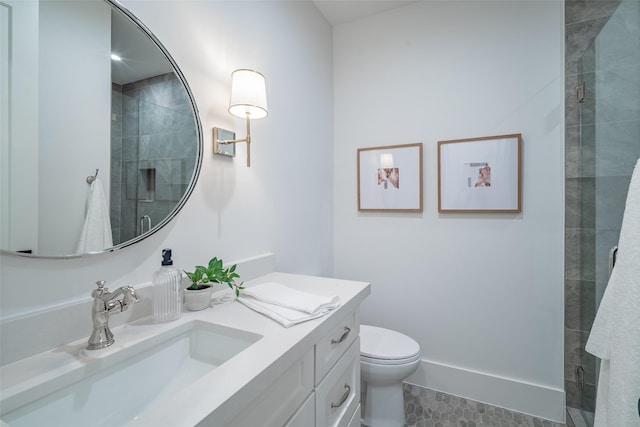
{"x": 248, "y": 94}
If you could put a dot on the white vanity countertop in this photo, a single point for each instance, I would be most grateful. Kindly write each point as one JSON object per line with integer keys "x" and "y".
{"x": 230, "y": 387}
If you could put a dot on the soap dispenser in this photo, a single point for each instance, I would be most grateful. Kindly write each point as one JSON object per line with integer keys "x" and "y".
{"x": 167, "y": 290}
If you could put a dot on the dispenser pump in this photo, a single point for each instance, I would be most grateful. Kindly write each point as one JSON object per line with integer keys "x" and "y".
{"x": 166, "y": 257}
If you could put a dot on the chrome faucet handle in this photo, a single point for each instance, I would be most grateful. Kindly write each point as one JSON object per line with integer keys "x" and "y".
{"x": 133, "y": 294}
{"x": 105, "y": 304}
{"x": 100, "y": 290}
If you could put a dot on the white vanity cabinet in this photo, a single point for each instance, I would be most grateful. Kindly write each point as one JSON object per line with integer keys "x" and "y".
{"x": 283, "y": 397}
{"x": 338, "y": 394}
{"x": 337, "y": 373}
{"x": 321, "y": 389}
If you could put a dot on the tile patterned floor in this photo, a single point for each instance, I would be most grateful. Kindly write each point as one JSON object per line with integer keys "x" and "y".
{"x": 428, "y": 408}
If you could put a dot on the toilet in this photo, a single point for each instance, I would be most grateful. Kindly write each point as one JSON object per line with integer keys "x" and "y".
{"x": 386, "y": 358}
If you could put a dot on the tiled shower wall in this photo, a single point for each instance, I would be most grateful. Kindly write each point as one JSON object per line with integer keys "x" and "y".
{"x": 596, "y": 174}
{"x": 154, "y": 159}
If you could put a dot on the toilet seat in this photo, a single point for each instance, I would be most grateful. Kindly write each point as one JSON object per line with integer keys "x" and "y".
{"x": 386, "y": 347}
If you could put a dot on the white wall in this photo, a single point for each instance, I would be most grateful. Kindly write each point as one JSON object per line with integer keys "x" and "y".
{"x": 481, "y": 293}
{"x": 5, "y": 16}
{"x": 281, "y": 204}
{"x": 20, "y": 123}
{"x": 75, "y": 107}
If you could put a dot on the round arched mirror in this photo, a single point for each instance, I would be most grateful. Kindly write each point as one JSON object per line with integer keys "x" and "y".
{"x": 101, "y": 141}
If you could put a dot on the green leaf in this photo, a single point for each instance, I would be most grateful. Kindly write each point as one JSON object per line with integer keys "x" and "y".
{"x": 215, "y": 272}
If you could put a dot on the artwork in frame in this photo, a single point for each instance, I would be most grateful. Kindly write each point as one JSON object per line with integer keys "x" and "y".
{"x": 390, "y": 178}
{"x": 480, "y": 174}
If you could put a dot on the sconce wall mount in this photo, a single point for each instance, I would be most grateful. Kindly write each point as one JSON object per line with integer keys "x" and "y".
{"x": 249, "y": 101}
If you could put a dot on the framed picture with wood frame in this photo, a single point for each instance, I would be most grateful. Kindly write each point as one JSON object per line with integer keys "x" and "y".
{"x": 480, "y": 174}
{"x": 390, "y": 178}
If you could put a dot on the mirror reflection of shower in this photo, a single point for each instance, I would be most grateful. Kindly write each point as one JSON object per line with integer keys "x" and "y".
{"x": 152, "y": 153}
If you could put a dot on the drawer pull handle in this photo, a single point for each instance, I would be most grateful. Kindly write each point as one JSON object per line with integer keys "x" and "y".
{"x": 343, "y": 398}
{"x": 343, "y": 337}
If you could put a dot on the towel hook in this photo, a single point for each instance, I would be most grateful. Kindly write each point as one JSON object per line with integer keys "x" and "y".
{"x": 91, "y": 178}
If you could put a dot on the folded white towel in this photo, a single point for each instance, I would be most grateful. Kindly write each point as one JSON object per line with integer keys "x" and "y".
{"x": 285, "y": 305}
{"x": 285, "y": 316}
{"x": 275, "y": 293}
{"x": 615, "y": 334}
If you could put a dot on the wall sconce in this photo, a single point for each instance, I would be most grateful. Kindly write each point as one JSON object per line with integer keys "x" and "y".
{"x": 248, "y": 100}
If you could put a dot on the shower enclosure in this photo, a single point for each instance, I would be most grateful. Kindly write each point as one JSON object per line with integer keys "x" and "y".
{"x": 603, "y": 145}
{"x": 153, "y": 153}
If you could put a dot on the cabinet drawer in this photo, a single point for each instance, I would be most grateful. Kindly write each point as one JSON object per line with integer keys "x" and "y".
{"x": 281, "y": 399}
{"x": 333, "y": 345}
{"x": 338, "y": 395}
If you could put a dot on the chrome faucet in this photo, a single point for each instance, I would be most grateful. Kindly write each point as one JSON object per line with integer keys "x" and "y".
{"x": 105, "y": 303}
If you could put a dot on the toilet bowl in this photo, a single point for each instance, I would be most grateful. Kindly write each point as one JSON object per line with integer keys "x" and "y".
{"x": 386, "y": 358}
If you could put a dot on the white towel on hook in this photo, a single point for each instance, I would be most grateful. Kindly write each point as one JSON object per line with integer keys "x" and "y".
{"x": 96, "y": 232}
{"x": 285, "y": 305}
{"x": 615, "y": 334}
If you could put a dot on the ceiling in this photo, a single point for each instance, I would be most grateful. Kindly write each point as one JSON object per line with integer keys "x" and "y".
{"x": 341, "y": 11}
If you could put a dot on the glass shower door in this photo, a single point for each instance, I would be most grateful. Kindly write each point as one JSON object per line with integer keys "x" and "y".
{"x": 609, "y": 110}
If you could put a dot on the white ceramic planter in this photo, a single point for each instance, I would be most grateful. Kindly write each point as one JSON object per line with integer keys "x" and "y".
{"x": 197, "y": 300}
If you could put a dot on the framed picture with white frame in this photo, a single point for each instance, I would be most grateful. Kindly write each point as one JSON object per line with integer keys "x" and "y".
{"x": 480, "y": 174}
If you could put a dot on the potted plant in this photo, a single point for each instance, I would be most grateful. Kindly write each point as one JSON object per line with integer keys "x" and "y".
{"x": 197, "y": 296}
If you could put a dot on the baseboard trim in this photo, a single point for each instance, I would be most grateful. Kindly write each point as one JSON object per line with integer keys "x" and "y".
{"x": 527, "y": 398}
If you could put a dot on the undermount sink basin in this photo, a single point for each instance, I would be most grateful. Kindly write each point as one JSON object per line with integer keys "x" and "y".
{"x": 114, "y": 387}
